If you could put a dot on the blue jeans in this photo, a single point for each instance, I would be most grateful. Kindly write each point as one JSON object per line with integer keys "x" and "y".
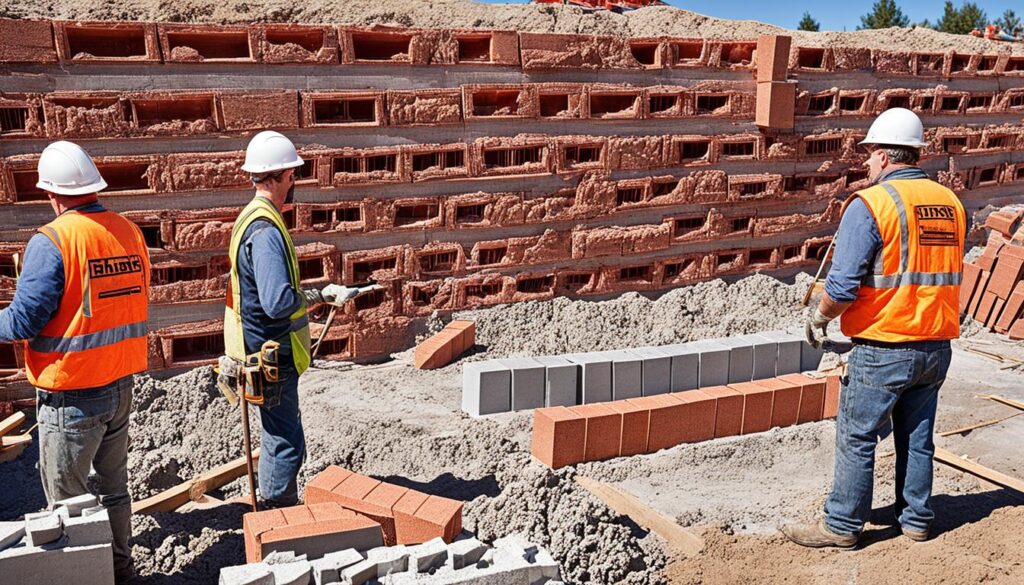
{"x": 81, "y": 430}
{"x": 897, "y": 388}
{"x": 283, "y": 444}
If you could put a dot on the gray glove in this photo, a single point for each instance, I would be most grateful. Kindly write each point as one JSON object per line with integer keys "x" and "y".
{"x": 816, "y": 323}
{"x": 336, "y": 294}
{"x": 312, "y": 296}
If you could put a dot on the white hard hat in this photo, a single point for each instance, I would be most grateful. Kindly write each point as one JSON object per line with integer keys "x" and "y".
{"x": 896, "y": 127}
{"x": 270, "y": 151}
{"x": 66, "y": 169}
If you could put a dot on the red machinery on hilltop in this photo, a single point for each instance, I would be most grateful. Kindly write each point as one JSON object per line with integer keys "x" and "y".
{"x": 613, "y": 5}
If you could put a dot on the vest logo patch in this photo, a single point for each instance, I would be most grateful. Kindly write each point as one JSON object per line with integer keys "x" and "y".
{"x": 115, "y": 266}
{"x": 936, "y": 225}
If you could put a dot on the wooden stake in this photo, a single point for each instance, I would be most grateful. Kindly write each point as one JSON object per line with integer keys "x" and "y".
{"x": 11, "y": 423}
{"x": 983, "y": 424}
{"x": 1006, "y": 401}
{"x": 323, "y": 332}
{"x": 181, "y": 494}
{"x": 979, "y": 470}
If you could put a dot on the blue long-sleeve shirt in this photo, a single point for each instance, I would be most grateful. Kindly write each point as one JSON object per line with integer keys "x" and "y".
{"x": 40, "y": 288}
{"x": 267, "y": 295}
{"x": 858, "y": 241}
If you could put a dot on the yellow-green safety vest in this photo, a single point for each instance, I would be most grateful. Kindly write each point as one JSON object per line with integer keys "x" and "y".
{"x": 234, "y": 340}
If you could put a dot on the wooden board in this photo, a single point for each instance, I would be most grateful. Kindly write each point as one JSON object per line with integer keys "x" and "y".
{"x": 1007, "y": 402}
{"x": 12, "y": 440}
{"x": 181, "y": 494}
{"x": 627, "y": 505}
{"x": 979, "y": 470}
{"x": 11, "y": 423}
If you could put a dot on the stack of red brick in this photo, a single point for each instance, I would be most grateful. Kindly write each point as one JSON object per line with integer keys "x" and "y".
{"x": 344, "y": 509}
{"x": 447, "y": 345}
{"x": 992, "y": 291}
{"x": 594, "y": 432}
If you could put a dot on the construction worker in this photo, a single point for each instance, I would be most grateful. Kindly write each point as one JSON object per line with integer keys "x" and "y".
{"x": 266, "y": 303}
{"x": 895, "y": 281}
{"x": 82, "y": 305}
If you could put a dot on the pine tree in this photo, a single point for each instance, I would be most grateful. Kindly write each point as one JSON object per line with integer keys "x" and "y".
{"x": 963, "y": 20}
{"x": 884, "y": 14}
{"x": 809, "y": 24}
{"x": 1011, "y": 23}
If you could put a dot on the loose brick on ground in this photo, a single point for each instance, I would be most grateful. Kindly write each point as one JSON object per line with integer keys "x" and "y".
{"x": 558, "y": 436}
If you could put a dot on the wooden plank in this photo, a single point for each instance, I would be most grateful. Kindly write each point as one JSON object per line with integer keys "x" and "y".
{"x": 181, "y": 494}
{"x": 979, "y": 470}
{"x": 11, "y": 423}
{"x": 981, "y": 425}
{"x": 1006, "y": 401}
{"x": 627, "y": 505}
{"x": 12, "y": 440}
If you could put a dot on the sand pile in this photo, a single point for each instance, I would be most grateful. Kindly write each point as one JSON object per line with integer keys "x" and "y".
{"x": 653, "y": 21}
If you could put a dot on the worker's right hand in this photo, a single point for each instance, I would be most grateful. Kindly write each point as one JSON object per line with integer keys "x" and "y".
{"x": 336, "y": 294}
{"x": 816, "y": 328}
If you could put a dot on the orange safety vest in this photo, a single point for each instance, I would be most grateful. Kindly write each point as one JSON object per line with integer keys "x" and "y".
{"x": 913, "y": 292}
{"x": 98, "y": 333}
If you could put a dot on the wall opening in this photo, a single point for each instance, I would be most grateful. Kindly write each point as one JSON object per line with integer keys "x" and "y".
{"x": 512, "y": 157}
{"x": 687, "y": 53}
{"x": 410, "y": 214}
{"x": 738, "y": 149}
{"x": 635, "y": 274}
{"x": 189, "y": 109}
{"x": 25, "y": 186}
{"x": 311, "y": 40}
{"x": 539, "y": 284}
{"x": 987, "y": 176}
{"x": 684, "y": 225}
{"x": 7, "y": 267}
{"x": 172, "y": 274}
{"x": 213, "y": 44}
{"x": 474, "y": 213}
{"x": 724, "y": 260}
{"x": 491, "y": 255}
{"x": 307, "y": 171}
{"x": 448, "y": 159}
{"x": 1016, "y": 100}
{"x": 610, "y": 104}
{"x": 659, "y": 188}
{"x": 339, "y": 346}
{"x": 577, "y": 280}
{"x": 207, "y": 346}
{"x": 754, "y": 189}
{"x": 119, "y": 41}
{"x": 125, "y": 176}
{"x": 763, "y": 256}
{"x": 364, "y": 164}
{"x": 790, "y": 252}
{"x": 553, "y": 104}
{"x": 979, "y": 101}
{"x": 483, "y": 290}
{"x": 476, "y": 49}
{"x": 927, "y": 103}
{"x": 950, "y": 103}
{"x": 987, "y": 63}
{"x": 362, "y": 271}
{"x": 796, "y": 184}
{"x": 151, "y": 232}
{"x": 816, "y": 251}
{"x": 496, "y": 102}
{"x": 1004, "y": 141}
{"x": 644, "y": 53}
{"x": 662, "y": 103}
{"x": 852, "y": 176}
{"x": 421, "y": 297}
{"x": 583, "y": 154}
{"x": 1015, "y": 64}
{"x": 739, "y": 224}
{"x": 1018, "y": 173}
{"x": 8, "y": 357}
{"x": 959, "y": 63}
{"x": 311, "y": 268}
{"x": 438, "y": 261}
{"x": 954, "y": 144}
{"x": 13, "y": 119}
{"x": 694, "y": 150}
{"x": 327, "y": 217}
{"x": 738, "y": 53}
{"x": 820, "y": 103}
{"x": 674, "y": 269}
{"x": 809, "y": 58}
{"x": 930, "y": 63}
{"x": 344, "y": 111}
{"x": 370, "y": 299}
{"x": 708, "y": 103}
{"x": 823, "y": 146}
{"x": 898, "y": 101}
{"x": 851, "y": 103}
{"x": 624, "y": 196}
{"x": 378, "y": 47}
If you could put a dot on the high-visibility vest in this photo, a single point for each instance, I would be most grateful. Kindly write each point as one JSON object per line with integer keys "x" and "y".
{"x": 234, "y": 338}
{"x": 913, "y": 290}
{"x": 98, "y": 333}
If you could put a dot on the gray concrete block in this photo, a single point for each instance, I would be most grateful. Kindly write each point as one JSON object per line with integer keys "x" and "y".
{"x": 89, "y": 530}
{"x": 294, "y": 573}
{"x": 359, "y": 573}
{"x": 78, "y": 565}
{"x": 528, "y": 381}
{"x": 561, "y": 381}
{"x": 655, "y": 372}
{"x": 43, "y": 528}
{"x": 429, "y": 555}
{"x": 810, "y": 358}
{"x": 11, "y": 533}
{"x": 76, "y": 504}
{"x": 595, "y": 379}
{"x": 788, "y": 360}
{"x": 486, "y": 388}
{"x": 389, "y": 559}
{"x": 714, "y": 362}
{"x": 93, "y": 510}
{"x": 254, "y": 574}
{"x": 741, "y": 359}
{"x": 463, "y": 553}
{"x": 327, "y": 569}
{"x": 281, "y": 557}
{"x": 627, "y": 374}
{"x": 766, "y": 355}
{"x": 685, "y": 364}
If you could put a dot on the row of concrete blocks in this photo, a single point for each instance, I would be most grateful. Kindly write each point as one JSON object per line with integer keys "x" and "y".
{"x": 70, "y": 543}
{"x": 511, "y": 561}
{"x": 526, "y": 383}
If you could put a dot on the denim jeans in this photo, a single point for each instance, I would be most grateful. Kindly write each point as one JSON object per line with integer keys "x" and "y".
{"x": 283, "y": 444}
{"x": 894, "y": 387}
{"x": 81, "y": 430}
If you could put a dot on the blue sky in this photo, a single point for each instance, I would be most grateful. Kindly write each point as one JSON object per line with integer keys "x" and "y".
{"x": 831, "y": 15}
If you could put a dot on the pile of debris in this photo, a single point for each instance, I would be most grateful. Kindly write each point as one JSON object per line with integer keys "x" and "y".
{"x": 992, "y": 291}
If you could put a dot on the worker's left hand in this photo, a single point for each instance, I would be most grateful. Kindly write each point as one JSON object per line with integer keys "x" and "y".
{"x": 336, "y": 294}
{"x": 817, "y": 323}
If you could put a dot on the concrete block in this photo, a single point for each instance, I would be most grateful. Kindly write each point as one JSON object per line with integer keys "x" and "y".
{"x": 766, "y": 355}
{"x": 627, "y": 381}
{"x": 359, "y": 573}
{"x": 788, "y": 359}
{"x": 486, "y": 388}
{"x": 389, "y": 559}
{"x": 714, "y": 362}
{"x": 252, "y": 574}
{"x": 327, "y": 569}
{"x": 280, "y": 557}
{"x": 685, "y": 359}
{"x": 43, "y": 527}
{"x": 810, "y": 358}
{"x": 561, "y": 381}
{"x": 528, "y": 381}
{"x": 89, "y": 530}
{"x": 294, "y": 573}
{"x": 464, "y": 553}
{"x": 76, "y": 504}
{"x": 595, "y": 379}
{"x": 93, "y": 510}
{"x": 429, "y": 555}
{"x": 81, "y": 565}
{"x": 656, "y": 370}
{"x": 741, "y": 358}
{"x": 11, "y": 533}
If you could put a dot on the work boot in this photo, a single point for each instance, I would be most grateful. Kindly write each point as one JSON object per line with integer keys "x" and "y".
{"x": 818, "y": 535}
{"x": 915, "y": 535}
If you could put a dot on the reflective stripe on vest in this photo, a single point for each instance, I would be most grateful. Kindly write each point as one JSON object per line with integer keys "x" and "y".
{"x": 298, "y": 330}
{"x": 98, "y": 333}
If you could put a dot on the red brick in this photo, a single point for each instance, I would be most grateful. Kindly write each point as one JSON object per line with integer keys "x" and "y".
{"x": 377, "y": 506}
{"x": 729, "y": 410}
{"x": 812, "y": 396}
{"x": 1012, "y": 310}
{"x": 296, "y": 524}
{"x": 757, "y": 407}
{"x": 1005, "y": 276}
{"x": 419, "y": 518}
{"x": 558, "y": 436}
{"x": 985, "y": 308}
{"x": 636, "y": 423}
{"x": 604, "y": 431}
{"x": 23, "y": 41}
{"x": 255, "y": 524}
{"x": 256, "y": 110}
{"x": 997, "y": 310}
{"x": 1004, "y": 221}
{"x": 1016, "y": 331}
{"x": 468, "y": 329}
{"x": 987, "y": 260}
{"x": 773, "y": 57}
{"x": 833, "y": 385}
{"x": 354, "y": 488}
{"x": 444, "y": 514}
{"x": 979, "y": 292}
{"x": 437, "y": 351}
{"x": 968, "y": 285}
{"x": 320, "y": 488}
{"x": 775, "y": 105}
{"x": 699, "y": 415}
{"x": 785, "y": 402}
{"x": 666, "y": 412}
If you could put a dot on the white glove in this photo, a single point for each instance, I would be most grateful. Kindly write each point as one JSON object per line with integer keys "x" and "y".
{"x": 817, "y": 323}
{"x": 336, "y": 294}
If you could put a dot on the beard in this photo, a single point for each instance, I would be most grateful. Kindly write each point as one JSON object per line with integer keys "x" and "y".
{"x": 289, "y": 198}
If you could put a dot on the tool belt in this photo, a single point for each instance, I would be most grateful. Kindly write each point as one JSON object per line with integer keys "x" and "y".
{"x": 249, "y": 377}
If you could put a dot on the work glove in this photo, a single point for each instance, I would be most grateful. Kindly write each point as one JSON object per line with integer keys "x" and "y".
{"x": 312, "y": 296}
{"x": 336, "y": 294}
{"x": 816, "y": 323}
